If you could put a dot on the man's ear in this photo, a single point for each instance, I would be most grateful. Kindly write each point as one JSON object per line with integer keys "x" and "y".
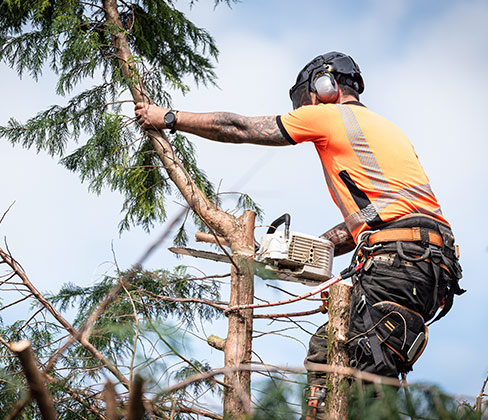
{"x": 315, "y": 98}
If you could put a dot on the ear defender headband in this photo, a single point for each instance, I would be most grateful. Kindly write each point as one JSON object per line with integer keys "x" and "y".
{"x": 322, "y": 76}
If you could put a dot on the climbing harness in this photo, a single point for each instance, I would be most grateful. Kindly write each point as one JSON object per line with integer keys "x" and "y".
{"x": 387, "y": 323}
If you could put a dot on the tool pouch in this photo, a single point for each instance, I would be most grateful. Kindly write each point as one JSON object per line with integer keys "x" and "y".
{"x": 400, "y": 329}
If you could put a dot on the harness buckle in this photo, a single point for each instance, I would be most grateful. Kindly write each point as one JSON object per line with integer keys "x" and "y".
{"x": 436, "y": 255}
{"x": 364, "y": 345}
{"x": 412, "y": 351}
{"x": 361, "y": 304}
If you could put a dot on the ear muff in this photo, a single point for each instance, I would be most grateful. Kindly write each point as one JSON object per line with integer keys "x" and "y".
{"x": 325, "y": 86}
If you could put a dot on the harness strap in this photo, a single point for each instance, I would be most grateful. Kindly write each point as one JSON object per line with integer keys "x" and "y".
{"x": 374, "y": 342}
{"x": 401, "y": 329}
{"x": 414, "y": 234}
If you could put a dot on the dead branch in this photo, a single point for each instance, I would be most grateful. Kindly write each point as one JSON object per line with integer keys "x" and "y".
{"x": 187, "y": 300}
{"x": 479, "y": 398}
{"x": 216, "y": 342}
{"x": 209, "y": 238}
{"x": 135, "y": 409}
{"x": 109, "y": 396}
{"x": 6, "y": 211}
{"x": 199, "y": 412}
{"x": 17, "y": 301}
{"x": 318, "y": 367}
{"x": 38, "y": 390}
{"x": 288, "y": 315}
{"x": 73, "y": 332}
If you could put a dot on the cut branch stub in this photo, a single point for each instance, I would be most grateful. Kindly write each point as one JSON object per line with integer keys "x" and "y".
{"x": 135, "y": 409}
{"x": 39, "y": 392}
{"x": 109, "y": 395}
{"x": 216, "y": 342}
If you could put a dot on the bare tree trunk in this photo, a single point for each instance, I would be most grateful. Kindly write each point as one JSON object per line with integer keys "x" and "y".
{"x": 238, "y": 345}
{"x": 337, "y": 384}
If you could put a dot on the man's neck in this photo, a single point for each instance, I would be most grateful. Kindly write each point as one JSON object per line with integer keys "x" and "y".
{"x": 346, "y": 98}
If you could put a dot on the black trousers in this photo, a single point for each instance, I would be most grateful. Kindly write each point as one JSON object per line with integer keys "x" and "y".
{"x": 409, "y": 284}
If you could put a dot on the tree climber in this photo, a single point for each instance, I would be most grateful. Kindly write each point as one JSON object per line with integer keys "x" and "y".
{"x": 391, "y": 215}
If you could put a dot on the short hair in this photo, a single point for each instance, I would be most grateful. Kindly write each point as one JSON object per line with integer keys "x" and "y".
{"x": 348, "y": 90}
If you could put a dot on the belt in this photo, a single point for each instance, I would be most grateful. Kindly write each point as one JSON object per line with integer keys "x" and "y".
{"x": 414, "y": 234}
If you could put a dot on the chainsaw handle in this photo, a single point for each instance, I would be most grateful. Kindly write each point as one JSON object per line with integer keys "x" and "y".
{"x": 286, "y": 219}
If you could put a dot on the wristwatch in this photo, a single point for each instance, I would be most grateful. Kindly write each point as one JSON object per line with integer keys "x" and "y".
{"x": 170, "y": 121}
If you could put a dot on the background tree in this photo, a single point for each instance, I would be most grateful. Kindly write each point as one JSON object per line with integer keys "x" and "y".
{"x": 135, "y": 49}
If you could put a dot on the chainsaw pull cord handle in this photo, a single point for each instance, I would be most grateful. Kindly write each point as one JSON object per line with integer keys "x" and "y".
{"x": 286, "y": 219}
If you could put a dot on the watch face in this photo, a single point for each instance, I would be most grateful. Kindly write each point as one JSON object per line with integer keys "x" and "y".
{"x": 170, "y": 119}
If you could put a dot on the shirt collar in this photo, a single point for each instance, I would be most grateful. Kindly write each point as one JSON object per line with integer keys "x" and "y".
{"x": 353, "y": 103}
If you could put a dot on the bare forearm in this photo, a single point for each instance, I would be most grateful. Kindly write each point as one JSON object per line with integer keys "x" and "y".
{"x": 341, "y": 238}
{"x": 219, "y": 126}
{"x": 232, "y": 128}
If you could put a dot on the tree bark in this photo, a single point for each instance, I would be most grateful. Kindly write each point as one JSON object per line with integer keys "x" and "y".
{"x": 238, "y": 346}
{"x": 337, "y": 384}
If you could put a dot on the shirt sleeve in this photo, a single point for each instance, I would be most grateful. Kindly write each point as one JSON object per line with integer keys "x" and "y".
{"x": 307, "y": 123}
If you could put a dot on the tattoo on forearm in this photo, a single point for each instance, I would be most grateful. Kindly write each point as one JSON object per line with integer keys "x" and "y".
{"x": 341, "y": 238}
{"x": 239, "y": 129}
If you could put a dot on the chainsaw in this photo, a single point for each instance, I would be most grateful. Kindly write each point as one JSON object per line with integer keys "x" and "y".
{"x": 284, "y": 255}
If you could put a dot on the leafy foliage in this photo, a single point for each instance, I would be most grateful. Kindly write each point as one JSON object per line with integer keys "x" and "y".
{"x": 135, "y": 332}
{"x": 274, "y": 402}
{"x": 420, "y": 402}
{"x": 374, "y": 402}
{"x": 74, "y": 40}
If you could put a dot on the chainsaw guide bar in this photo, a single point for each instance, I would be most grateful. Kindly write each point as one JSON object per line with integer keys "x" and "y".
{"x": 200, "y": 254}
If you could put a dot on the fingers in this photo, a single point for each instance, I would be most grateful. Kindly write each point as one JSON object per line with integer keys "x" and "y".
{"x": 140, "y": 110}
{"x": 150, "y": 116}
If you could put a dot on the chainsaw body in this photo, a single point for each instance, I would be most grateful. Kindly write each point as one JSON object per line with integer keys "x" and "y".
{"x": 283, "y": 255}
{"x": 293, "y": 256}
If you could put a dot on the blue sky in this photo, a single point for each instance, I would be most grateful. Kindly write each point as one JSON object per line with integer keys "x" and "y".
{"x": 424, "y": 65}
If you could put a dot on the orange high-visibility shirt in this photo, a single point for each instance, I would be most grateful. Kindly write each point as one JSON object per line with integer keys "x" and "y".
{"x": 371, "y": 168}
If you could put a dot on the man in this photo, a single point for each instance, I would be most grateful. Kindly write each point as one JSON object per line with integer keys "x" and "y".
{"x": 391, "y": 215}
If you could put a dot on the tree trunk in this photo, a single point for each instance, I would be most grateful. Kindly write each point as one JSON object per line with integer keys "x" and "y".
{"x": 337, "y": 384}
{"x": 239, "y": 234}
{"x": 238, "y": 345}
